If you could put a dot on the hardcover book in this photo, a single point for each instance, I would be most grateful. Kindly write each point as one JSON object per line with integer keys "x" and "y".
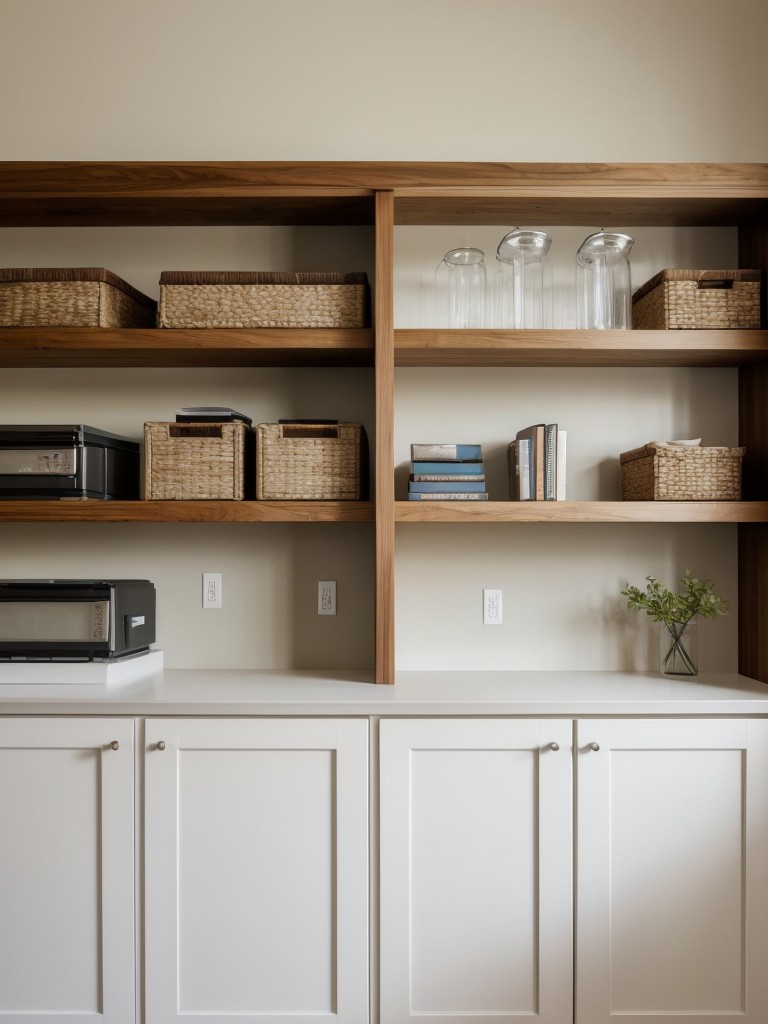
{"x": 433, "y": 486}
{"x": 449, "y": 496}
{"x": 473, "y": 469}
{"x": 447, "y": 452}
{"x": 454, "y": 477}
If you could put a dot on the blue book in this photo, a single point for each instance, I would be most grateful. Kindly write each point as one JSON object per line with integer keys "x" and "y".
{"x": 448, "y": 468}
{"x": 446, "y": 452}
{"x": 450, "y": 496}
{"x": 421, "y": 487}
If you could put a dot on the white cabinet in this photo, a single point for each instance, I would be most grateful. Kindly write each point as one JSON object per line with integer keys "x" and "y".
{"x": 671, "y": 871}
{"x": 67, "y": 871}
{"x": 476, "y": 871}
{"x": 672, "y": 878}
{"x": 256, "y": 871}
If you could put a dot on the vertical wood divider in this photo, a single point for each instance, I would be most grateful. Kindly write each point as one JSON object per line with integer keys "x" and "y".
{"x": 385, "y": 451}
{"x": 753, "y": 434}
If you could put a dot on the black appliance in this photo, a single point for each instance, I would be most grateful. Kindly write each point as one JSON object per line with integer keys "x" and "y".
{"x": 70, "y": 461}
{"x": 75, "y": 620}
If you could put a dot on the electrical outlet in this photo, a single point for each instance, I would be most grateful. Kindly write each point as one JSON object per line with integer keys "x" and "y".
{"x": 491, "y": 607}
{"x": 326, "y": 597}
{"x": 211, "y": 590}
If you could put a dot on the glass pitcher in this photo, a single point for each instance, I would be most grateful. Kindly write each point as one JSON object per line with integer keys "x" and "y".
{"x": 523, "y": 292}
{"x": 460, "y": 289}
{"x": 603, "y": 285}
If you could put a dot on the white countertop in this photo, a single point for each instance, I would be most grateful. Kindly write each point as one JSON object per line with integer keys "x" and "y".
{"x": 177, "y": 692}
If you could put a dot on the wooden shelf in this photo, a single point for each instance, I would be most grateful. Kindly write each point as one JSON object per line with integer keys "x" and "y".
{"x": 335, "y": 192}
{"x": 579, "y": 348}
{"x": 581, "y": 512}
{"x": 95, "y": 511}
{"x": 103, "y": 346}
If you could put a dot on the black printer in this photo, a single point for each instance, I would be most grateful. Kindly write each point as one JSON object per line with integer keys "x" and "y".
{"x": 70, "y": 461}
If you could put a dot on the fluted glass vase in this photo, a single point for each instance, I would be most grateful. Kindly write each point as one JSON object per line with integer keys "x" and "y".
{"x": 679, "y": 648}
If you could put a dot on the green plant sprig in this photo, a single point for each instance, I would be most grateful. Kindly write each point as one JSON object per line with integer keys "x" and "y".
{"x": 698, "y": 597}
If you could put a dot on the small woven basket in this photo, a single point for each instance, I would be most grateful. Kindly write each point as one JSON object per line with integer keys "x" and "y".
{"x": 687, "y": 299}
{"x": 264, "y": 299}
{"x": 71, "y": 297}
{"x": 311, "y": 462}
{"x": 660, "y": 472}
{"x": 197, "y": 461}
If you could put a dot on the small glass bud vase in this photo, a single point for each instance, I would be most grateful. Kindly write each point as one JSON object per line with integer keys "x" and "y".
{"x": 679, "y": 648}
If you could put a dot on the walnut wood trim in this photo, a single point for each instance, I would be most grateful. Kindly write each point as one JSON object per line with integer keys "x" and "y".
{"x": 385, "y": 452}
{"x": 418, "y": 347}
{"x": 581, "y": 512}
{"x": 94, "y": 511}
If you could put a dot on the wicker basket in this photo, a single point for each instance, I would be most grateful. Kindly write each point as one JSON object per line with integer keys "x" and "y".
{"x": 195, "y": 461}
{"x": 246, "y": 299}
{"x": 71, "y": 297}
{"x": 686, "y": 299}
{"x": 311, "y": 461}
{"x": 662, "y": 472}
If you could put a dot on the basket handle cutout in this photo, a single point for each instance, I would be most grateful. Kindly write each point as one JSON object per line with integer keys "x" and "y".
{"x": 714, "y": 284}
{"x": 180, "y": 430}
{"x": 289, "y": 431}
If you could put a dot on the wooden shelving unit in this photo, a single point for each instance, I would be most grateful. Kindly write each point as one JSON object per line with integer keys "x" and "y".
{"x": 383, "y": 195}
{"x": 94, "y": 511}
{"x": 103, "y": 346}
{"x": 581, "y": 511}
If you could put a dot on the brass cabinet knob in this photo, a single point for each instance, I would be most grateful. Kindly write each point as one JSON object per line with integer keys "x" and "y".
{"x": 161, "y": 744}
{"x": 115, "y": 745}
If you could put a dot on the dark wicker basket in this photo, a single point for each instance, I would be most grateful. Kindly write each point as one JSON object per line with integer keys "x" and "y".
{"x": 659, "y": 472}
{"x": 262, "y": 299}
{"x": 688, "y": 299}
{"x": 71, "y": 297}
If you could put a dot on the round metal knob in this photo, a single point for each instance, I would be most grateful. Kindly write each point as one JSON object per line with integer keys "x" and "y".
{"x": 593, "y": 746}
{"x": 115, "y": 745}
{"x": 554, "y": 746}
{"x": 161, "y": 744}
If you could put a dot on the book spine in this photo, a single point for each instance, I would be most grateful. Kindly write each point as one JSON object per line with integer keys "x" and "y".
{"x": 447, "y": 478}
{"x": 449, "y": 496}
{"x": 447, "y": 468}
{"x": 561, "y": 460}
{"x": 524, "y": 468}
{"x": 432, "y": 486}
{"x": 538, "y": 462}
{"x": 451, "y": 452}
{"x": 550, "y": 462}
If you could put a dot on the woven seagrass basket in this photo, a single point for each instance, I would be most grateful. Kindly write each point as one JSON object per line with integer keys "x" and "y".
{"x": 198, "y": 461}
{"x": 659, "y": 472}
{"x": 71, "y": 297}
{"x": 265, "y": 299}
{"x": 688, "y": 299}
{"x": 311, "y": 461}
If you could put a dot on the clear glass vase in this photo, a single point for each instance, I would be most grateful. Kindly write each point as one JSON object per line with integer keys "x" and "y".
{"x": 523, "y": 291}
{"x": 679, "y": 648}
{"x": 460, "y": 284}
{"x": 603, "y": 282}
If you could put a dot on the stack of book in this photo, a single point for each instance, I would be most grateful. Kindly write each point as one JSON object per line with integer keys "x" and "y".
{"x": 447, "y": 472}
{"x": 537, "y": 464}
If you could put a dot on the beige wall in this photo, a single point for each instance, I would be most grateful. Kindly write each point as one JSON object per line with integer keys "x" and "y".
{"x": 607, "y": 80}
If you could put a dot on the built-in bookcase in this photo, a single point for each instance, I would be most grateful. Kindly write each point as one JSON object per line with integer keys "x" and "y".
{"x": 381, "y": 199}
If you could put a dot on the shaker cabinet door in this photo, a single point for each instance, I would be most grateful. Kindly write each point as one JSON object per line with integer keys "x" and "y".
{"x": 672, "y": 879}
{"x": 476, "y": 871}
{"x": 66, "y": 871}
{"x": 256, "y": 871}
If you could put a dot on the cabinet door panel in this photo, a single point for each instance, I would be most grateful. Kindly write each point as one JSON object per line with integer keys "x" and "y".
{"x": 672, "y": 880}
{"x": 475, "y": 871}
{"x": 66, "y": 871}
{"x": 257, "y": 871}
